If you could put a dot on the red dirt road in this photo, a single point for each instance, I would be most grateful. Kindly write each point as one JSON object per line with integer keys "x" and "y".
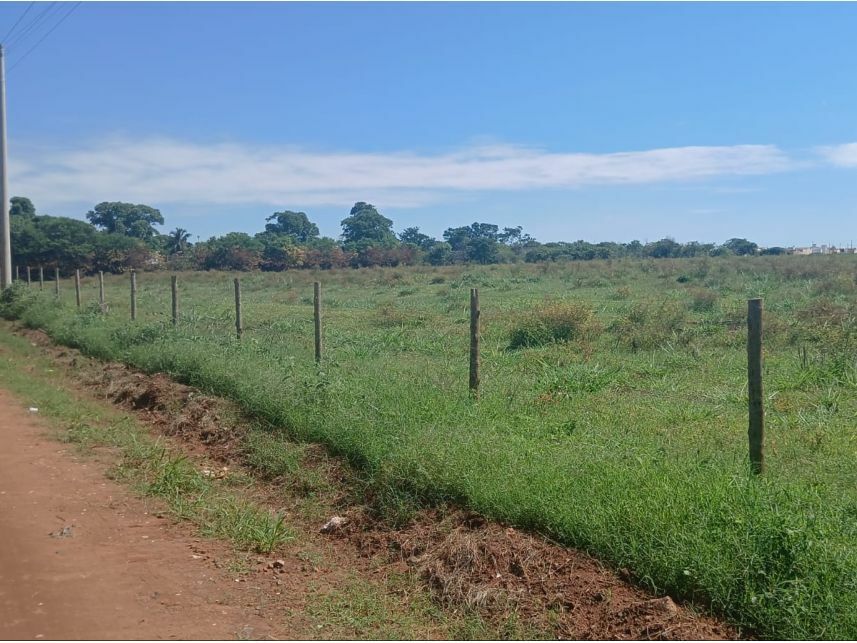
{"x": 117, "y": 571}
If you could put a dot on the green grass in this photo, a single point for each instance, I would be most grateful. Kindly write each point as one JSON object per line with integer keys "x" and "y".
{"x": 627, "y": 440}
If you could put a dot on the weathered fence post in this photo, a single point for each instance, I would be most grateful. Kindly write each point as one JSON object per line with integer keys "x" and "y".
{"x": 77, "y": 287}
{"x": 41, "y": 277}
{"x": 239, "y": 324}
{"x": 474, "y": 342}
{"x": 17, "y": 273}
{"x": 316, "y": 303}
{"x": 174, "y": 289}
{"x": 754, "y": 384}
{"x": 133, "y": 295}
{"x": 29, "y": 278}
{"x": 101, "y": 302}
{"x": 57, "y": 282}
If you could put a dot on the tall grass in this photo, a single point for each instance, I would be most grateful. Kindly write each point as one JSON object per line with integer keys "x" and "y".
{"x": 632, "y": 446}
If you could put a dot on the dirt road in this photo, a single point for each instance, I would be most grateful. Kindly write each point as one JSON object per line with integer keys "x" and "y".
{"x": 81, "y": 558}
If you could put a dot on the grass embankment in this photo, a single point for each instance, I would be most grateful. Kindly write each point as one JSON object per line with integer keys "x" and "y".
{"x": 626, "y": 438}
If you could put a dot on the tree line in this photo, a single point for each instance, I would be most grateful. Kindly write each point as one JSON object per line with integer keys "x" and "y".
{"x": 118, "y": 236}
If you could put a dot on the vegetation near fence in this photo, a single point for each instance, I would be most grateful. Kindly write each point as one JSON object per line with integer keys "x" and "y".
{"x": 123, "y": 236}
{"x": 612, "y": 412}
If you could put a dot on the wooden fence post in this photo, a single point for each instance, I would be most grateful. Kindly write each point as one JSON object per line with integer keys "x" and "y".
{"x": 41, "y": 277}
{"x": 57, "y": 282}
{"x": 133, "y": 295}
{"x": 316, "y": 303}
{"x": 754, "y": 384}
{"x": 17, "y": 273}
{"x": 474, "y": 342}
{"x": 101, "y": 291}
{"x": 29, "y": 278}
{"x": 77, "y": 287}
{"x": 239, "y": 324}
{"x": 174, "y": 289}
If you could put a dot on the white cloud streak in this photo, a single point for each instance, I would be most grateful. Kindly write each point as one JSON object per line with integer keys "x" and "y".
{"x": 844, "y": 155}
{"x": 162, "y": 171}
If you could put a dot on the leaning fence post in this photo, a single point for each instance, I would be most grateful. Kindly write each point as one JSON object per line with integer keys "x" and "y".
{"x": 239, "y": 324}
{"x": 57, "y": 281}
{"x": 77, "y": 287}
{"x": 174, "y": 289}
{"x": 41, "y": 277}
{"x": 474, "y": 342}
{"x": 316, "y": 303}
{"x": 754, "y": 384}
{"x": 133, "y": 295}
{"x": 101, "y": 290}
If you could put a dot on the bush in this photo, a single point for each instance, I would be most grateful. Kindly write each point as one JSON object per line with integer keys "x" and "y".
{"x": 702, "y": 300}
{"x": 559, "y": 322}
{"x": 648, "y": 326}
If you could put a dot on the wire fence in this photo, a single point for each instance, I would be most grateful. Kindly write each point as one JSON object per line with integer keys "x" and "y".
{"x": 214, "y": 323}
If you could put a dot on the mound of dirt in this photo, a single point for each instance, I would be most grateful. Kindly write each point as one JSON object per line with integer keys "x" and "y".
{"x": 470, "y": 562}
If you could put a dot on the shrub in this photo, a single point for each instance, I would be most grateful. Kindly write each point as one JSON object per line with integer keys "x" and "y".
{"x": 650, "y": 325}
{"x": 702, "y": 300}
{"x": 559, "y": 322}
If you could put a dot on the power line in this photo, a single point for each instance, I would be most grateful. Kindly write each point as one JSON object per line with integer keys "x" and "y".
{"x": 17, "y": 22}
{"x": 57, "y": 24}
{"x": 33, "y": 25}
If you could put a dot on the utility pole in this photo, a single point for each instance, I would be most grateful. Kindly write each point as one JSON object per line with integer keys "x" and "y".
{"x": 5, "y": 234}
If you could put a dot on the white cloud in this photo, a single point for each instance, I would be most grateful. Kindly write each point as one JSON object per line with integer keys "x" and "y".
{"x": 170, "y": 171}
{"x": 844, "y": 155}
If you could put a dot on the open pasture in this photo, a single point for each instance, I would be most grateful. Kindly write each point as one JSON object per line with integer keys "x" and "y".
{"x": 612, "y": 413}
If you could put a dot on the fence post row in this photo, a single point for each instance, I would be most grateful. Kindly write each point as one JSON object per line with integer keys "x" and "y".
{"x": 239, "y": 324}
{"x": 756, "y": 412}
{"x": 756, "y": 432}
{"x": 133, "y": 295}
{"x": 101, "y": 290}
{"x": 175, "y": 296}
{"x": 316, "y": 303}
{"x": 474, "y": 342}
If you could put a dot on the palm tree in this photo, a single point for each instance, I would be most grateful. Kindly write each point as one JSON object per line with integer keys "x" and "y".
{"x": 177, "y": 241}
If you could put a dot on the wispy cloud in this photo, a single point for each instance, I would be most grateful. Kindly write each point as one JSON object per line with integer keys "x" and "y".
{"x": 171, "y": 171}
{"x": 844, "y": 155}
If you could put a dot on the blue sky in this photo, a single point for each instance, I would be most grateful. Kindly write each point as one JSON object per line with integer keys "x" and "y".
{"x": 594, "y": 121}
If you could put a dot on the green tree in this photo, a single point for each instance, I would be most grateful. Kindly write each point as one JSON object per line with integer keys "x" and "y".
{"x": 131, "y": 220}
{"x": 477, "y": 242}
{"x": 741, "y": 246}
{"x": 21, "y": 206}
{"x": 232, "y": 251}
{"x": 662, "y": 249}
{"x": 294, "y": 224}
{"x": 177, "y": 241}
{"x": 365, "y": 223}
{"x": 414, "y": 237}
{"x": 439, "y": 254}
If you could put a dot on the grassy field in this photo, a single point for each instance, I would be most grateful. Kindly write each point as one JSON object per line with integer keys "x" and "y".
{"x": 612, "y": 415}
